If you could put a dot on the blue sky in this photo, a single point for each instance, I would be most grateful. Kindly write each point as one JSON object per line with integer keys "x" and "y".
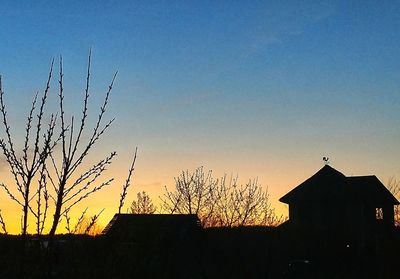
{"x": 259, "y": 88}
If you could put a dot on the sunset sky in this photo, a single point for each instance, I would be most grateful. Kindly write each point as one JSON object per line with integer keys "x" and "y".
{"x": 255, "y": 88}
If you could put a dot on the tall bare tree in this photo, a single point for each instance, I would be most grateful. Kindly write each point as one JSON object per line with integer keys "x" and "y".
{"x": 44, "y": 174}
{"x": 70, "y": 190}
{"x": 38, "y": 145}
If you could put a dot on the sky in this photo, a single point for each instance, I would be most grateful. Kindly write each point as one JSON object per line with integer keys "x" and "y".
{"x": 251, "y": 88}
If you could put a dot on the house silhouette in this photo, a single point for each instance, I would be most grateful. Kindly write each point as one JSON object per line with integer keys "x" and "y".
{"x": 355, "y": 208}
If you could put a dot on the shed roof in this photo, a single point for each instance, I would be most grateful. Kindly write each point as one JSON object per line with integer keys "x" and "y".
{"x": 147, "y": 223}
{"x": 330, "y": 184}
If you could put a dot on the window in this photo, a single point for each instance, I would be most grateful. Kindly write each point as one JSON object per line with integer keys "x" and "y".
{"x": 379, "y": 213}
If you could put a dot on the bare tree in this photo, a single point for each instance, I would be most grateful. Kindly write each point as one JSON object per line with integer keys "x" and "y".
{"x": 193, "y": 194}
{"x": 43, "y": 174}
{"x": 69, "y": 190}
{"x": 394, "y": 188}
{"x": 240, "y": 205}
{"x": 38, "y": 145}
{"x": 220, "y": 202}
{"x": 142, "y": 205}
{"x": 243, "y": 205}
{"x": 269, "y": 217}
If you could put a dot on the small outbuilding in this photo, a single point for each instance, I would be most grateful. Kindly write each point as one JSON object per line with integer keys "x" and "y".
{"x": 142, "y": 228}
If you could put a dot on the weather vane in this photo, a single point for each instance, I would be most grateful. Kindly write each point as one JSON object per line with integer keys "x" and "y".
{"x": 326, "y": 160}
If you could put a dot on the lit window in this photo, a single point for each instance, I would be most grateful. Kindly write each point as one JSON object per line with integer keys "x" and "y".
{"x": 379, "y": 213}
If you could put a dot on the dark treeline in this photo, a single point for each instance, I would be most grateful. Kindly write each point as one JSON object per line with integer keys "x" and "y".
{"x": 243, "y": 252}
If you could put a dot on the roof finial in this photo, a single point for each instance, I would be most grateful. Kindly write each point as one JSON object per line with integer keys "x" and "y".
{"x": 326, "y": 160}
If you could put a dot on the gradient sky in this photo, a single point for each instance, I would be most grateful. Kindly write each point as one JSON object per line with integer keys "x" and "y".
{"x": 256, "y": 88}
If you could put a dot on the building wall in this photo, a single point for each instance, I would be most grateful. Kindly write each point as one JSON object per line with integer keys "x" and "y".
{"x": 352, "y": 220}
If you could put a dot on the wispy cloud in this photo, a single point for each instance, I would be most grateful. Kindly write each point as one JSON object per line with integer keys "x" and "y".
{"x": 280, "y": 22}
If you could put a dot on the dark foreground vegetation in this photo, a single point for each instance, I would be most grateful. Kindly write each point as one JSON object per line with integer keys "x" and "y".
{"x": 247, "y": 252}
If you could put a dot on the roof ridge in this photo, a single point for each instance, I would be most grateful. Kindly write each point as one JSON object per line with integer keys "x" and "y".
{"x": 356, "y": 176}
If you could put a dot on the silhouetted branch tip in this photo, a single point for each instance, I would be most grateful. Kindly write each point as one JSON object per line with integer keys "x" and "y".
{"x": 127, "y": 183}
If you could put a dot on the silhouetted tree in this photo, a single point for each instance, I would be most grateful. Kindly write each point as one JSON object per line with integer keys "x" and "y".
{"x": 193, "y": 194}
{"x": 69, "y": 190}
{"x": 220, "y": 202}
{"x": 243, "y": 205}
{"x": 41, "y": 167}
{"x": 394, "y": 188}
{"x": 142, "y": 205}
{"x": 38, "y": 145}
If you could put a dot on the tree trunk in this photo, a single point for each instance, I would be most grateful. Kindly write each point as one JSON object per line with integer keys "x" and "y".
{"x": 57, "y": 214}
{"x": 25, "y": 219}
{"x": 26, "y": 206}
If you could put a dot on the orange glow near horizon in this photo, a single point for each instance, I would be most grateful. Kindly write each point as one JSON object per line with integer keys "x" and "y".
{"x": 145, "y": 178}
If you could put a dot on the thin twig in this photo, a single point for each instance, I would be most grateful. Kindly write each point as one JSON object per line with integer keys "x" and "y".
{"x": 93, "y": 221}
{"x": 127, "y": 183}
{"x": 3, "y": 224}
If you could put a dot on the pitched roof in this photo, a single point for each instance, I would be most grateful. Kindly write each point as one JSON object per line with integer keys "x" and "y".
{"x": 371, "y": 189}
{"x": 145, "y": 223}
{"x": 327, "y": 182}
{"x": 330, "y": 184}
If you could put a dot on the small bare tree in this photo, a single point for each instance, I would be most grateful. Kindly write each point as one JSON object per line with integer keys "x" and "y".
{"x": 193, "y": 194}
{"x": 78, "y": 224}
{"x": 240, "y": 205}
{"x": 38, "y": 145}
{"x": 142, "y": 205}
{"x": 394, "y": 188}
{"x": 91, "y": 227}
{"x": 83, "y": 225}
